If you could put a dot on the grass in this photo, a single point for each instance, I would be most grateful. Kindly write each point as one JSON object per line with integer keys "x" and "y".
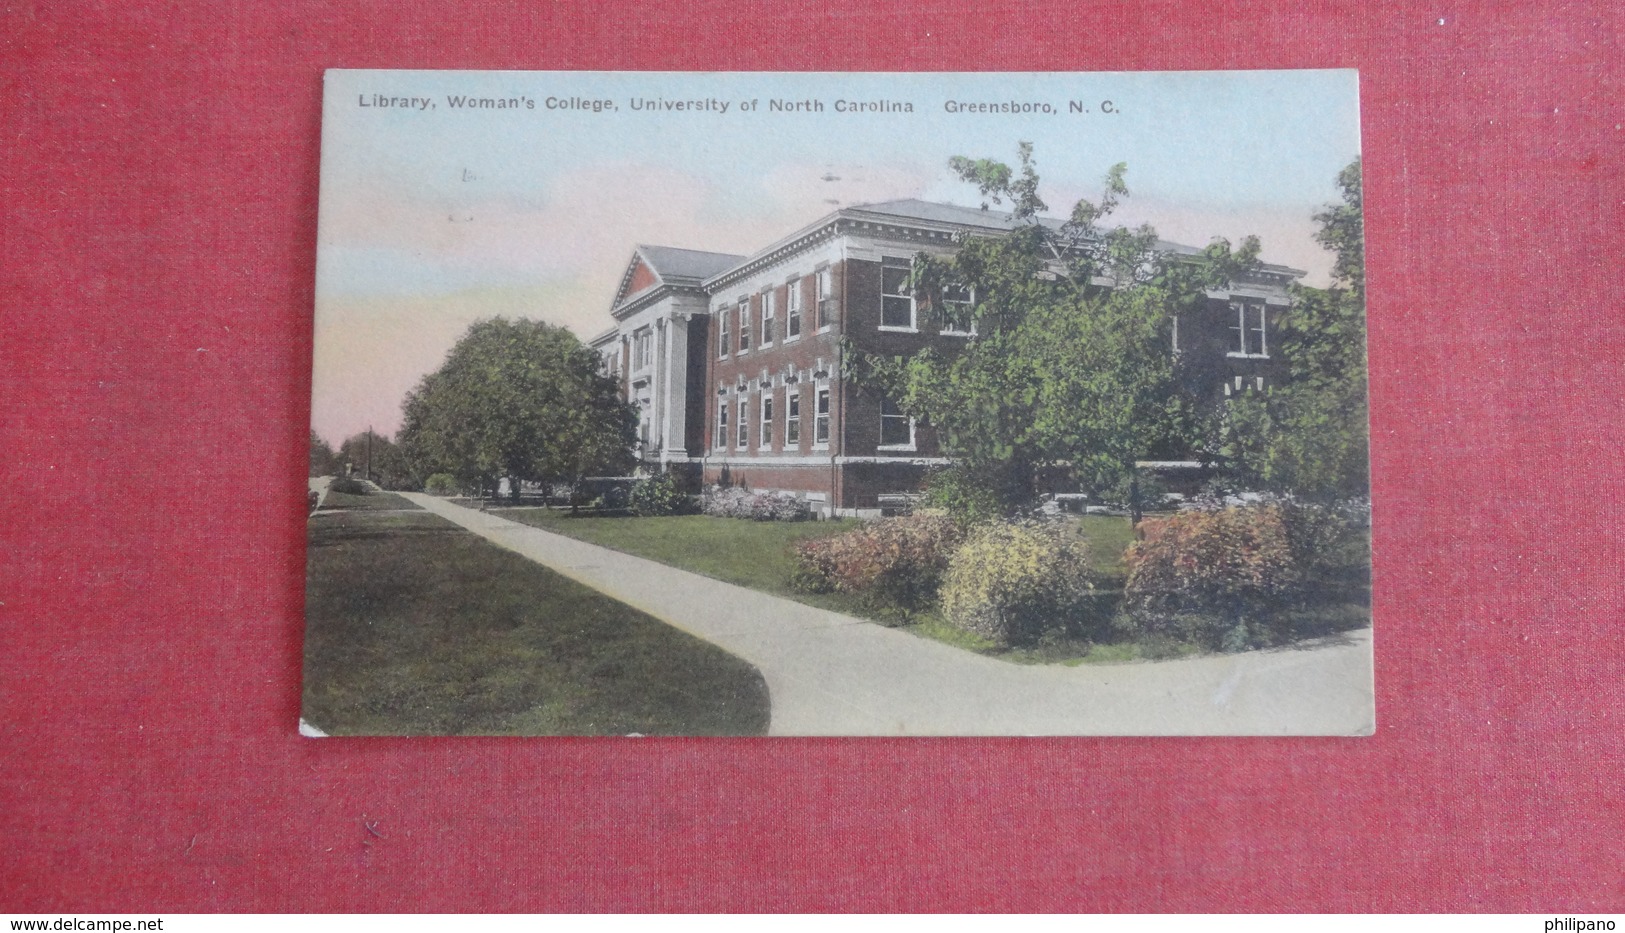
{"x": 757, "y": 555}
{"x": 371, "y": 502}
{"x": 416, "y": 627}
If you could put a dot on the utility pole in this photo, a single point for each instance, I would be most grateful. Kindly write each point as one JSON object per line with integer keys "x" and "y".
{"x": 369, "y": 452}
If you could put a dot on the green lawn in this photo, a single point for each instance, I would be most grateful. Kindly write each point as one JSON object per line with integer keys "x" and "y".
{"x": 371, "y": 502}
{"x": 757, "y": 555}
{"x": 417, "y": 627}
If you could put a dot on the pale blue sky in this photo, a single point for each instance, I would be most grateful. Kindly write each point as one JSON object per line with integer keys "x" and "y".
{"x": 433, "y": 218}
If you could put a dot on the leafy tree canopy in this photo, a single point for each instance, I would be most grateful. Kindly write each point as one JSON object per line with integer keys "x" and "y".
{"x": 1310, "y": 437}
{"x": 1071, "y": 369}
{"x": 522, "y": 400}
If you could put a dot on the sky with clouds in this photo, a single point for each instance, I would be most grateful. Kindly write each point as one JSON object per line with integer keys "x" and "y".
{"x": 434, "y": 216}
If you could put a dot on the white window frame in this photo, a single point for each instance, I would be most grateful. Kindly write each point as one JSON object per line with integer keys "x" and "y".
{"x": 970, "y": 312}
{"x": 765, "y": 418}
{"x": 725, "y": 338}
{"x": 823, "y": 290}
{"x": 792, "y": 419}
{"x": 769, "y": 319}
{"x": 823, "y": 419}
{"x": 1241, "y": 306}
{"x": 913, "y": 307}
{"x": 792, "y": 309}
{"x": 722, "y": 425}
{"x": 744, "y": 325}
{"x": 742, "y": 440}
{"x": 884, "y": 401}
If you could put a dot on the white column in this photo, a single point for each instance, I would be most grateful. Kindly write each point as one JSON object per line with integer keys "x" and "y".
{"x": 674, "y": 390}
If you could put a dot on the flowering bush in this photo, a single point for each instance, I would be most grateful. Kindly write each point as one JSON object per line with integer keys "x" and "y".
{"x": 733, "y": 502}
{"x": 1014, "y": 581}
{"x": 894, "y": 564}
{"x": 1207, "y": 575}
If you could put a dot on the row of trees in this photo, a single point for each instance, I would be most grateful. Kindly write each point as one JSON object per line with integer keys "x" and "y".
{"x": 1068, "y": 375}
{"x": 367, "y": 454}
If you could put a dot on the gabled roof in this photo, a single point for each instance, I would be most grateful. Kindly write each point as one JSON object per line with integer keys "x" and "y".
{"x": 655, "y": 267}
{"x": 672, "y": 263}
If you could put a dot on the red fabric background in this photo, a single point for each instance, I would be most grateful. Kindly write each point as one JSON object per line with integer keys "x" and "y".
{"x": 156, "y": 267}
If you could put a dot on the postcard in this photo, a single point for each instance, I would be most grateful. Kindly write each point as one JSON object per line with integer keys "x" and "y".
{"x": 735, "y": 404}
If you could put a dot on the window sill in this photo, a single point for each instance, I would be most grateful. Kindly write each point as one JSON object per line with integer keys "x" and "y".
{"x": 1247, "y": 356}
{"x": 794, "y": 339}
{"x": 897, "y": 449}
{"x": 894, "y": 329}
{"x": 957, "y": 333}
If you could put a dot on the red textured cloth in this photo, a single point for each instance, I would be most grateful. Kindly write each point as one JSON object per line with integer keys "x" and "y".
{"x": 157, "y": 240}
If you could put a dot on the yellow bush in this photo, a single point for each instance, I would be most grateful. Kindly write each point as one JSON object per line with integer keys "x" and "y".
{"x": 1013, "y": 581}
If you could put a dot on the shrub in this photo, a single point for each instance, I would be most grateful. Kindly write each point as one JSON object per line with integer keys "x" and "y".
{"x": 733, "y": 502}
{"x": 658, "y": 495}
{"x": 1014, "y": 582}
{"x": 349, "y": 486}
{"x": 894, "y": 565}
{"x": 441, "y": 484}
{"x": 1213, "y": 577}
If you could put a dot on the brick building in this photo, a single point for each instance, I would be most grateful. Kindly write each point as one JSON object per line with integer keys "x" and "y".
{"x": 735, "y": 362}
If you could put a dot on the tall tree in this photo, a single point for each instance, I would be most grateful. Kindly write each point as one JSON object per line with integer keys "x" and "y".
{"x": 323, "y": 462}
{"x": 1071, "y": 369}
{"x": 520, "y": 400}
{"x": 380, "y": 460}
{"x": 1310, "y": 436}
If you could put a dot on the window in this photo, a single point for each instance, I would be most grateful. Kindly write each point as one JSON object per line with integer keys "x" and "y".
{"x": 744, "y": 324}
{"x": 642, "y": 348}
{"x": 766, "y": 437}
{"x": 792, "y": 310}
{"x": 744, "y": 426}
{"x": 769, "y": 316}
{"x": 896, "y": 428}
{"x": 896, "y": 301}
{"x": 825, "y": 298}
{"x": 722, "y": 424}
{"x": 725, "y": 340}
{"x": 821, "y": 419}
{"x": 792, "y": 418}
{"x": 1248, "y": 329}
{"x": 958, "y": 307}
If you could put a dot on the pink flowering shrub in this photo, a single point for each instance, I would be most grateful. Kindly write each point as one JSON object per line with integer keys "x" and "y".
{"x": 1205, "y": 575}
{"x": 733, "y": 502}
{"x": 894, "y": 564}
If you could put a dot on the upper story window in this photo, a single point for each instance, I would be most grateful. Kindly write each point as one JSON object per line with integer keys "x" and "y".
{"x": 770, "y": 314}
{"x": 958, "y": 310}
{"x": 792, "y": 310}
{"x": 896, "y": 299}
{"x": 824, "y": 296}
{"x": 744, "y": 324}
{"x": 896, "y": 428}
{"x": 1247, "y": 328}
{"x": 642, "y": 348}
{"x": 725, "y": 337}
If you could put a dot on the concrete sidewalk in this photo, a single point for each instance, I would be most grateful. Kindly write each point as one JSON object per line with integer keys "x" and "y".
{"x": 830, "y": 674}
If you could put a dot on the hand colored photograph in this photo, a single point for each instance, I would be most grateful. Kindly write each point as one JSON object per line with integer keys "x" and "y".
{"x": 669, "y": 404}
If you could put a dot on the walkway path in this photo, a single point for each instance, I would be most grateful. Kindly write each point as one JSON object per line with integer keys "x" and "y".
{"x": 830, "y": 674}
